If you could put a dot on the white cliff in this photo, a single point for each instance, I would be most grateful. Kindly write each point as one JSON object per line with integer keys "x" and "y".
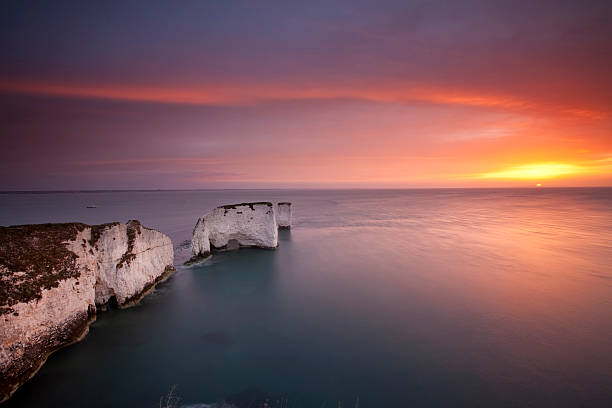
{"x": 283, "y": 215}
{"x": 54, "y": 276}
{"x": 126, "y": 268}
{"x": 234, "y": 226}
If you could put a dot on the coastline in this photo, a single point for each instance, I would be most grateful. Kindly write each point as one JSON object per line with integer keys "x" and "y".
{"x": 76, "y": 335}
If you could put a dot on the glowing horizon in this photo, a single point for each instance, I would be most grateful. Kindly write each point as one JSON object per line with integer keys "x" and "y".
{"x": 305, "y": 95}
{"x": 539, "y": 171}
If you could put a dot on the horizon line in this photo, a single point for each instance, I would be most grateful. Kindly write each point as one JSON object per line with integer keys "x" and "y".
{"x": 149, "y": 190}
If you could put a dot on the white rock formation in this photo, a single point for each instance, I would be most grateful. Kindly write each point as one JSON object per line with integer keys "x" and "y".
{"x": 233, "y": 226}
{"x": 124, "y": 268}
{"x": 52, "y": 276}
{"x": 283, "y": 215}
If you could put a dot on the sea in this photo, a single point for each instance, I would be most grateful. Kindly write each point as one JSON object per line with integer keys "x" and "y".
{"x": 374, "y": 298}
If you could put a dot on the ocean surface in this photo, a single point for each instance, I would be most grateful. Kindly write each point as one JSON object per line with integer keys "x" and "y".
{"x": 401, "y": 298}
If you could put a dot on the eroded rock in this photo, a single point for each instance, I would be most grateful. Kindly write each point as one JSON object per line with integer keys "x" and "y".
{"x": 54, "y": 277}
{"x": 237, "y": 225}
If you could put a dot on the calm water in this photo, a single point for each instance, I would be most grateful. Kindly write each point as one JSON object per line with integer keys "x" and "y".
{"x": 403, "y": 298}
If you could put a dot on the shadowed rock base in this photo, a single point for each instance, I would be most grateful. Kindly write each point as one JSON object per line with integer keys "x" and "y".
{"x": 196, "y": 259}
{"x": 134, "y": 300}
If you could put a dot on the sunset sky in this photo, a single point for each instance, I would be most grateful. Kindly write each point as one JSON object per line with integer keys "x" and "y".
{"x": 258, "y": 94}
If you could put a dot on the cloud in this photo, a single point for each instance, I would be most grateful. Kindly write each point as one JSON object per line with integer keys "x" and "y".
{"x": 254, "y": 93}
{"x": 101, "y": 94}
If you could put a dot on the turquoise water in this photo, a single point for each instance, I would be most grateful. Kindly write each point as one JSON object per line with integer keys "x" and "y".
{"x": 401, "y": 298}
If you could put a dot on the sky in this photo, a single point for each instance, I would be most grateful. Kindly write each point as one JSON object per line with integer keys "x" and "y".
{"x": 305, "y": 94}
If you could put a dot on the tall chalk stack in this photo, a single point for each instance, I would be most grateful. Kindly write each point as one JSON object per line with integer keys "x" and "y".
{"x": 283, "y": 215}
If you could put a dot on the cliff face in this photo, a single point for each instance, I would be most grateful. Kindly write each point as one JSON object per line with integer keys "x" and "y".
{"x": 283, "y": 215}
{"x": 233, "y": 226}
{"x": 129, "y": 258}
{"x": 54, "y": 276}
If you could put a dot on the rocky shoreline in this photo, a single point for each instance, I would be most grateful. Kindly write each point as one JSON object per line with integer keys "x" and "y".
{"x": 54, "y": 278}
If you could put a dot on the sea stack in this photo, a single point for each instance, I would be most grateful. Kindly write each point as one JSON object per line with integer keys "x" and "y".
{"x": 283, "y": 215}
{"x": 53, "y": 278}
{"x": 233, "y": 226}
{"x": 238, "y": 225}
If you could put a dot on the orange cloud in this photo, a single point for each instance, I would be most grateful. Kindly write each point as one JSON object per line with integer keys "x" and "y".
{"x": 253, "y": 93}
{"x": 438, "y": 143}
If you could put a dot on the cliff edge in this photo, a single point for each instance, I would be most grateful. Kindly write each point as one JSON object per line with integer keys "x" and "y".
{"x": 54, "y": 277}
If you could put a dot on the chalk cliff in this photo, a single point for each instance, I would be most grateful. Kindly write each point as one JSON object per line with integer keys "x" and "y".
{"x": 283, "y": 215}
{"x": 234, "y": 226}
{"x": 53, "y": 277}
